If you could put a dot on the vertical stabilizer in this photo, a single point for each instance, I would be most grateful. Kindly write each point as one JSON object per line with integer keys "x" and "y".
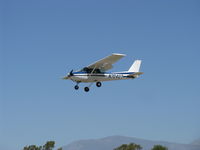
{"x": 135, "y": 66}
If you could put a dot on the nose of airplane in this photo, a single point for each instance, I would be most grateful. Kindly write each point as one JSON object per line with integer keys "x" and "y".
{"x": 68, "y": 75}
{"x": 71, "y": 73}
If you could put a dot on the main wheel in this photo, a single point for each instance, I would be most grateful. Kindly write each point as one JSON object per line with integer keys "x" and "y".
{"x": 98, "y": 84}
{"x": 76, "y": 87}
{"x": 86, "y": 89}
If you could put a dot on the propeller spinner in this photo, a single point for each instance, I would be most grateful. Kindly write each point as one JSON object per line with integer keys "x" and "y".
{"x": 69, "y": 75}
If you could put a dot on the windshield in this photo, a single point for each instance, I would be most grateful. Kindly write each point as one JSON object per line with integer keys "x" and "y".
{"x": 91, "y": 70}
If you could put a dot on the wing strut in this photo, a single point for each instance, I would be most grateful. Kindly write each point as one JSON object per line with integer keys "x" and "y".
{"x": 92, "y": 71}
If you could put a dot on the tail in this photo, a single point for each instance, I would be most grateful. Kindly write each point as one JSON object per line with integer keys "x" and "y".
{"x": 135, "y": 66}
{"x": 134, "y": 70}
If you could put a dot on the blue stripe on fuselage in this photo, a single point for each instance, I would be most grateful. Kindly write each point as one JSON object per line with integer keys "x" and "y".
{"x": 123, "y": 73}
{"x": 79, "y": 72}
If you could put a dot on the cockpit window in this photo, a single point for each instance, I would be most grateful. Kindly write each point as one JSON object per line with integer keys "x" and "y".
{"x": 91, "y": 70}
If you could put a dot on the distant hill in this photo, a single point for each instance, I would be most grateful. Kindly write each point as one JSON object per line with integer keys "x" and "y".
{"x": 111, "y": 142}
{"x": 196, "y": 142}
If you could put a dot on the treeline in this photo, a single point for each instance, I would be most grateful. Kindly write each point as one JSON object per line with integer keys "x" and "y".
{"x": 48, "y": 146}
{"x": 132, "y": 146}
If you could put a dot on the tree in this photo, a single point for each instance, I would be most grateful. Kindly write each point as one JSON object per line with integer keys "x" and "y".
{"x": 122, "y": 147}
{"x": 48, "y": 146}
{"x": 131, "y": 146}
{"x": 32, "y": 147}
{"x": 159, "y": 147}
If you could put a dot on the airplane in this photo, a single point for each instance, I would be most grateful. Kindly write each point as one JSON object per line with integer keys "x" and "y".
{"x": 96, "y": 72}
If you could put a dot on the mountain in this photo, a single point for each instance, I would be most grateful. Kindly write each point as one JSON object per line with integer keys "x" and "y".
{"x": 111, "y": 142}
{"x": 196, "y": 142}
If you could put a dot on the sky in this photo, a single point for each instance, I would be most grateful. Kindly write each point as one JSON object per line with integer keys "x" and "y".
{"x": 41, "y": 41}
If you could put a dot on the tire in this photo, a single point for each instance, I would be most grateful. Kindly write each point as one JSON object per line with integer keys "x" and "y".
{"x": 98, "y": 84}
{"x": 86, "y": 89}
{"x": 76, "y": 87}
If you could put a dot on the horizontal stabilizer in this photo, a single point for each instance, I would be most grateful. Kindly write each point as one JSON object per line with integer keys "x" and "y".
{"x": 135, "y": 75}
{"x": 138, "y": 73}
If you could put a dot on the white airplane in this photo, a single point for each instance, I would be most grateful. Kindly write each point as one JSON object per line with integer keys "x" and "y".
{"x": 96, "y": 72}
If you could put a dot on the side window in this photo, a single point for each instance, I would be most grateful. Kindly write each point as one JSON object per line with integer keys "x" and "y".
{"x": 89, "y": 70}
{"x": 85, "y": 69}
{"x": 98, "y": 71}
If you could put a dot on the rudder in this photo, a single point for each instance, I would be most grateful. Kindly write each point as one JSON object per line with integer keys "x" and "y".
{"x": 135, "y": 66}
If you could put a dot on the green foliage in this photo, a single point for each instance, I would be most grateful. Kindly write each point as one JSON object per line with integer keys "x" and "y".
{"x": 32, "y": 147}
{"x": 159, "y": 147}
{"x": 48, "y": 146}
{"x": 131, "y": 146}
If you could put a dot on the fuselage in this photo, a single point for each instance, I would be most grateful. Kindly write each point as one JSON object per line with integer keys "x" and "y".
{"x": 95, "y": 72}
{"x": 97, "y": 77}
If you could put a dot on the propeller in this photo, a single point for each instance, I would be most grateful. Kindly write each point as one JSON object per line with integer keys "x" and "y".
{"x": 71, "y": 73}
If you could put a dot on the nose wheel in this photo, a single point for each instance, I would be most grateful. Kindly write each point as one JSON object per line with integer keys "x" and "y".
{"x": 76, "y": 87}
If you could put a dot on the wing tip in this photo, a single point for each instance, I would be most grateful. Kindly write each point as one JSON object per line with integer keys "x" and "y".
{"x": 119, "y": 54}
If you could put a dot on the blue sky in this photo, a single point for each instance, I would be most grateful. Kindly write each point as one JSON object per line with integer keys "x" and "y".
{"x": 43, "y": 40}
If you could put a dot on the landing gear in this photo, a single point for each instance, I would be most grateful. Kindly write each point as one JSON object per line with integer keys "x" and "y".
{"x": 76, "y": 87}
{"x": 98, "y": 84}
{"x": 86, "y": 89}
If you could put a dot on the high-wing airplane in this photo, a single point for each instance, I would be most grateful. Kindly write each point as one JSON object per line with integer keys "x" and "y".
{"x": 96, "y": 72}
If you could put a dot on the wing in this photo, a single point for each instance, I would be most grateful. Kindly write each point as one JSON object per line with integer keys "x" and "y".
{"x": 106, "y": 63}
